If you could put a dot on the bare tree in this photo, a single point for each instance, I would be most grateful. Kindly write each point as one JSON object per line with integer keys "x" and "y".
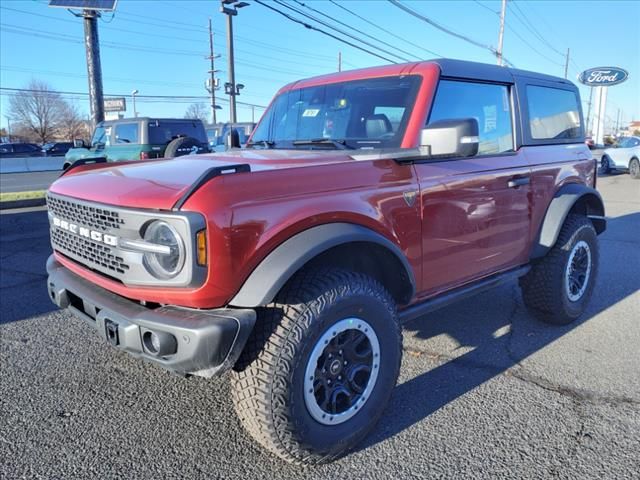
{"x": 71, "y": 124}
{"x": 38, "y": 109}
{"x": 197, "y": 110}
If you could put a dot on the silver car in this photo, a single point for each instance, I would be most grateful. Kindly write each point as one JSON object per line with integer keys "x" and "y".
{"x": 624, "y": 156}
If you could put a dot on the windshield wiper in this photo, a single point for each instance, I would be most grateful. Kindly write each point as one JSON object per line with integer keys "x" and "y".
{"x": 341, "y": 144}
{"x": 264, "y": 143}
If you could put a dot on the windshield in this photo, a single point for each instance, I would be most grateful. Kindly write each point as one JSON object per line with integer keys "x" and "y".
{"x": 100, "y": 136}
{"x": 369, "y": 113}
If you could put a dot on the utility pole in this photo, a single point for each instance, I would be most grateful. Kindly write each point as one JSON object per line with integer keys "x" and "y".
{"x": 212, "y": 79}
{"x": 339, "y": 61}
{"x": 503, "y": 12}
{"x": 94, "y": 69}
{"x": 230, "y": 9}
{"x": 566, "y": 65}
{"x": 617, "y": 122}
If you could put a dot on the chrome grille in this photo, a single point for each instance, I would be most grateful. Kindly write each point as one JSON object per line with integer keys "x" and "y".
{"x": 93, "y": 217}
{"x": 87, "y": 251}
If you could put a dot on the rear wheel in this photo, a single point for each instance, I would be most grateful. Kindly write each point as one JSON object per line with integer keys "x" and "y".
{"x": 605, "y": 165}
{"x": 320, "y": 366}
{"x": 634, "y": 168}
{"x": 558, "y": 287}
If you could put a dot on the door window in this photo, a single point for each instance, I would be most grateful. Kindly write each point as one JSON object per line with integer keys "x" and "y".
{"x": 488, "y": 103}
{"x": 127, "y": 133}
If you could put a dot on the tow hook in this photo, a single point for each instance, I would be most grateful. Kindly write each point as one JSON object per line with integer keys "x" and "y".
{"x": 111, "y": 332}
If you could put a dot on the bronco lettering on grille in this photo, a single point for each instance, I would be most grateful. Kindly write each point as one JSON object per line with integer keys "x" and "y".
{"x": 111, "y": 240}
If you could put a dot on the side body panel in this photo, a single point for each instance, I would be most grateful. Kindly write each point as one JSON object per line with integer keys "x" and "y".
{"x": 553, "y": 166}
{"x": 474, "y": 224}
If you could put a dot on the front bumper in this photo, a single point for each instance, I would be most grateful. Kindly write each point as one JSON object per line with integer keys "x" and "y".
{"x": 207, "y": 342}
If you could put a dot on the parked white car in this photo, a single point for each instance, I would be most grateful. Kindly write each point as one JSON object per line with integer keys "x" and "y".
{"x": 624, "y": 156}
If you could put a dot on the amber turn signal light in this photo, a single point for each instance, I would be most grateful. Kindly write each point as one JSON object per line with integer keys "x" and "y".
{"x": 201, "y": 242}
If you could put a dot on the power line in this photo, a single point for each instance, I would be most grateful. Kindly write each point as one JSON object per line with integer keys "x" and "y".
{"x": 162, "y": 97}
{"x": 140, "y": 48}
{"x": 515, "y": 32}
{"x": 171, "y": 23}
{"x": 336, "y": 29}
{"x": 445, "y": 29}
{"x": 525, "y": 21}
{"x": 311, "y": 27}
{"x": 139, "y": 81}
{"x": 357, "y": 30}
{"x": 163, "y": 36}
{"x": 488, "y": 8}
{"x": 431, "y": 52}
{"x": 271, "y": 47}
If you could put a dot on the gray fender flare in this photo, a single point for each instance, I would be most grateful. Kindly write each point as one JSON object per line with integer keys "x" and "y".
{"x": 559, "y": 207}
{"x": 278, "y": 267}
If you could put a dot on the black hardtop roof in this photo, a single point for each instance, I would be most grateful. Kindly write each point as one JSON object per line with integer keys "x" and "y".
{"x": 485, "y": 71}
{"x": 149, "y": 119}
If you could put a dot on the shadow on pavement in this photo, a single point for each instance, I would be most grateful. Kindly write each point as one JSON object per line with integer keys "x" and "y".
{"x": 24, "y": 248}
{"x": 497, "y": 332}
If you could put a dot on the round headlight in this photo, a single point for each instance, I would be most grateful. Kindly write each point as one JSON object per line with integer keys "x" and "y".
{"x": 167, "y": 264}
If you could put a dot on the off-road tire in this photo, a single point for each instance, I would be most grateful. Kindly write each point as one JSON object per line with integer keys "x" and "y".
{"x": 181, "y": 146}
{"x": 634, "y": 168}
{"x": 268, "y": 380}
{"x": 544, "y": 290}
{"x": 605, "y": 165}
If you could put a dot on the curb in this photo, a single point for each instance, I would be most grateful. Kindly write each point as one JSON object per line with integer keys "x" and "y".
{"x": 29, "y": 202}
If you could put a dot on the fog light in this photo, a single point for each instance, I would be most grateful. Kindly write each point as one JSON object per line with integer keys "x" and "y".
{"x": 159, "y": 344}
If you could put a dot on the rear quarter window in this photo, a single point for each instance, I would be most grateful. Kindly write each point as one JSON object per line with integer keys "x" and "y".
{"x": 554, "y": 113}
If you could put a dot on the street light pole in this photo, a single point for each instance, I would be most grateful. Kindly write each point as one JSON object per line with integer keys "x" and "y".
{"x": 133, "y": 96}
{"x": 230, "y": 9}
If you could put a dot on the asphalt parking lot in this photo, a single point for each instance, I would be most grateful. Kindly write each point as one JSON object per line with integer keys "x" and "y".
{"x": 485, "y": 390}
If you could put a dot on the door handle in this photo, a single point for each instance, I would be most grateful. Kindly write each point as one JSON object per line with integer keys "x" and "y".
{"x": 518, "y": 182}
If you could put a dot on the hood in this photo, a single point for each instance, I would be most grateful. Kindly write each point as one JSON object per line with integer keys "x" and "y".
{"x": 159, "y": 184}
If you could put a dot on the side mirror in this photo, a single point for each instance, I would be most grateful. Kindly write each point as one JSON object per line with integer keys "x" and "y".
{"x": 78, "y": 143}
{"x": 451, "y": 138}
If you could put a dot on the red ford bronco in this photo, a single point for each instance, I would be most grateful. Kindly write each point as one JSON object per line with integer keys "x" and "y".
{"x": 364, "y": 199}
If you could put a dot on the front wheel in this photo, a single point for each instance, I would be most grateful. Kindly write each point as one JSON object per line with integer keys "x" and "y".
{"x": 605, "y": 165}
{"x": 320, "y": 366}
{"x": 559, "y": 286}
{"x": 634, "y": 168}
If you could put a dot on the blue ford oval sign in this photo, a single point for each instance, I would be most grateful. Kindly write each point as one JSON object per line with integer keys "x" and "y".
{"x": 603, "y": 76}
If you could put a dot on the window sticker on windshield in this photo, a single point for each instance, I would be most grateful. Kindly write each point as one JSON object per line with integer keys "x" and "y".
{"x": 311, "y": 112}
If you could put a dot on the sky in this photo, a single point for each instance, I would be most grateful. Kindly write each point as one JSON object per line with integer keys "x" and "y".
{"x": 158, "y": 47}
